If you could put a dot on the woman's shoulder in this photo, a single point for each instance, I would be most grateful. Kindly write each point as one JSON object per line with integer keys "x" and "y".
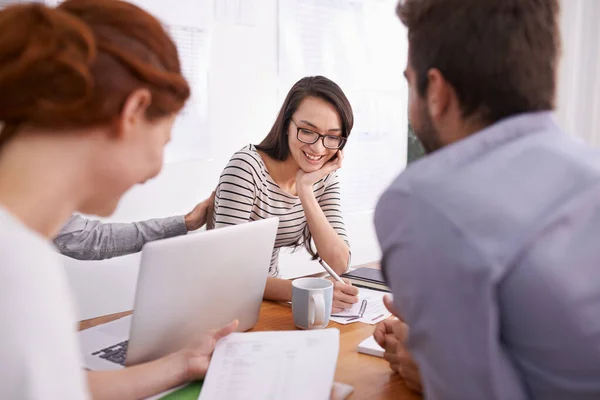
{"x": 248, "y": 161}
{"x": 249, "y": 156}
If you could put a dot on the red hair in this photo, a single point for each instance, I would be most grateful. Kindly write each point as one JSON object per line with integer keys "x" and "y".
{"x": 75, "y": 65}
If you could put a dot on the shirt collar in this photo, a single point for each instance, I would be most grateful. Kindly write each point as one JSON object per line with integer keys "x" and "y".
{"x": 503, "y": 131}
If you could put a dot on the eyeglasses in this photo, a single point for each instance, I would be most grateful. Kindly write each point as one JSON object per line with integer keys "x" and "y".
{"x": 310, "y": 137}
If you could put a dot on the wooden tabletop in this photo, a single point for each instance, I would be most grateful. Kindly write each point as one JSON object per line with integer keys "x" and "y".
{"x": 370, "y": 376}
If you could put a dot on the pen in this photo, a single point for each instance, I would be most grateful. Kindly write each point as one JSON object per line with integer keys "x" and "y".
{"x": 331, "y": 271}
{"x": 379, "y": 316}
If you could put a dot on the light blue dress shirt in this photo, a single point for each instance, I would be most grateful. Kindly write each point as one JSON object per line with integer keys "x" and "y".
{"x": 491, "y": 247}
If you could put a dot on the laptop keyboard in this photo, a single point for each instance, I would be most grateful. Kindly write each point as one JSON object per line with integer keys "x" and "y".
{"x": 115, "y": 353}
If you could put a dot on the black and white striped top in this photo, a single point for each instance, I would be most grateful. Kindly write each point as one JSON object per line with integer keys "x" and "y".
{"x": 246, "y": 192}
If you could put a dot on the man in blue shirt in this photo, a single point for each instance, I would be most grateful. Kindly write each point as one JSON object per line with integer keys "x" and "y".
{"x": 491, "y": 243}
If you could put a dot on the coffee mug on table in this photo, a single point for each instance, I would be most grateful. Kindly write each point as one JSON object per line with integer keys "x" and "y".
{"x": 311, "y": 302}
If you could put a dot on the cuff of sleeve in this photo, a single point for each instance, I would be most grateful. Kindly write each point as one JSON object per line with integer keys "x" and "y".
{"x": 175, "y": 226}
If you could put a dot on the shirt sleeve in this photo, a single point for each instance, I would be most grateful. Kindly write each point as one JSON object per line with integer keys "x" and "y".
{"x": 236, "y": 192}
{"x": 330, "y": 203}
{"x": 445, "y": 290}
{"x": 85, "y": 239}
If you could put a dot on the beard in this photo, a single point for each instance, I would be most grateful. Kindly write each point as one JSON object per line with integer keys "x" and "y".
{"x": 426, "y": 131}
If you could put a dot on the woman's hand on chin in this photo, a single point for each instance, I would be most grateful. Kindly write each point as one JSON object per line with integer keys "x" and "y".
{"x": 305, "y": 181}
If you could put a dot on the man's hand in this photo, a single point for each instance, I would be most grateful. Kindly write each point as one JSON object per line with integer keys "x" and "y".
{"x": 392, "y": 334}
{"x": 196, "y": 218}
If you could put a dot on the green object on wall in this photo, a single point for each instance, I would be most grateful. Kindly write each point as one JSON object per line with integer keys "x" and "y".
{"x": 415, "y": 148}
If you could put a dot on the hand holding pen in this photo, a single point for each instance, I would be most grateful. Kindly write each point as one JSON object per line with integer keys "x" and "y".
{"x": 344, "y": 294}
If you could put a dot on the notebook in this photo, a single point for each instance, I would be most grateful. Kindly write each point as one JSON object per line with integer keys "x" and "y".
{"x": 369, "y": 346}
{"x": 367, "y": 277}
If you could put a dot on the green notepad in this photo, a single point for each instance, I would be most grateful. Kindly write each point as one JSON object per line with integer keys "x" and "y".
{"x": 189, "y": 392}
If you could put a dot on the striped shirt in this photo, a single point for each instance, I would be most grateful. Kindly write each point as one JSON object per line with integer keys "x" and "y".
{"x": 247, "y": 192}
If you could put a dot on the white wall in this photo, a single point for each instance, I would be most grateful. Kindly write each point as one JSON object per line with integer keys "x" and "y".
{"x": 243, "y": 103}
{"x": 578, "y": 105}
{"x": 242, "y": 106}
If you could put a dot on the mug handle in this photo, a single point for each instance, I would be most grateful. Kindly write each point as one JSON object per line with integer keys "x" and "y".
{"x": 316, "y": 312}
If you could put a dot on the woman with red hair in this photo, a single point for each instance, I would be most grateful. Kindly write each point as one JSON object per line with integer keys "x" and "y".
{"x": 89, "y": 92}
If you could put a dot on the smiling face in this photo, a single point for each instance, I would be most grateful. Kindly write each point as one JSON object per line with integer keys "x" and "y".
{"x": 314, "y": 115}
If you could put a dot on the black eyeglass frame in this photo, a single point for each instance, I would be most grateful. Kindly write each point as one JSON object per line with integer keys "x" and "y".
{"x": 319, "y": 136}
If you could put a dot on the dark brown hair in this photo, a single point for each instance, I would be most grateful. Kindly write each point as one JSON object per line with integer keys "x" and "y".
{"x": 276, "y": 142}
{"x": 500, "y": 56}
{"x": 75, "y": 65}
{"x": 276, "y": 146}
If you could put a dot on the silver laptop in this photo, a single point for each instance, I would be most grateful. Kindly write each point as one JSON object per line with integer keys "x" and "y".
{"x": 187, "y": 285}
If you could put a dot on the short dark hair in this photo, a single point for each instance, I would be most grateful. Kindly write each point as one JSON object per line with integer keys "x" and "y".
{"x": 500, "y": 56}
{"x": 275, "y": 145}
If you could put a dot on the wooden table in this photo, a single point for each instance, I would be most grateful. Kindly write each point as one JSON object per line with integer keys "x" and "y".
{"x": 370, "y": 376}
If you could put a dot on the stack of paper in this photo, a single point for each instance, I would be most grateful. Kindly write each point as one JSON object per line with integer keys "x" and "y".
{"x": 369, "y": 309}
{"x": 371, "y": 347}
{"x": 273, "y": 365}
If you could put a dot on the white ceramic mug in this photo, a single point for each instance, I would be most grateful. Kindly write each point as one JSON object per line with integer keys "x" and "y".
{"x": 311, "y": 302}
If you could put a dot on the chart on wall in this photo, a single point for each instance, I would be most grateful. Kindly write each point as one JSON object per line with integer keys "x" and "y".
{"x": 190, "y": 30}
{"x": 189, "y": 25}
{"x": 359, "y": 44}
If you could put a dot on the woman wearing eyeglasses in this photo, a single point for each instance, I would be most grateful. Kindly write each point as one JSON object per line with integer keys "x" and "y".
{"x": 291, "y": 175}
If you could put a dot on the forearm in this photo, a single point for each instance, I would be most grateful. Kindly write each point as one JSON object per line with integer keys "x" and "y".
{"x": 278, "y": 289}
{"x": 139, "y": 381}
{"x": 92, "y": 240}
{"x": 331, "y": 247}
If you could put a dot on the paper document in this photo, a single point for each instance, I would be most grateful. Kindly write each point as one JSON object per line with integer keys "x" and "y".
{"x": 341, "y": 391}
{"x": 371, "y": 347}
{"x": 356, "y": 311}
{"x": 370, "y": 312}
{"x": 240, "y": 12}
{"x": 273, "y": 365}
